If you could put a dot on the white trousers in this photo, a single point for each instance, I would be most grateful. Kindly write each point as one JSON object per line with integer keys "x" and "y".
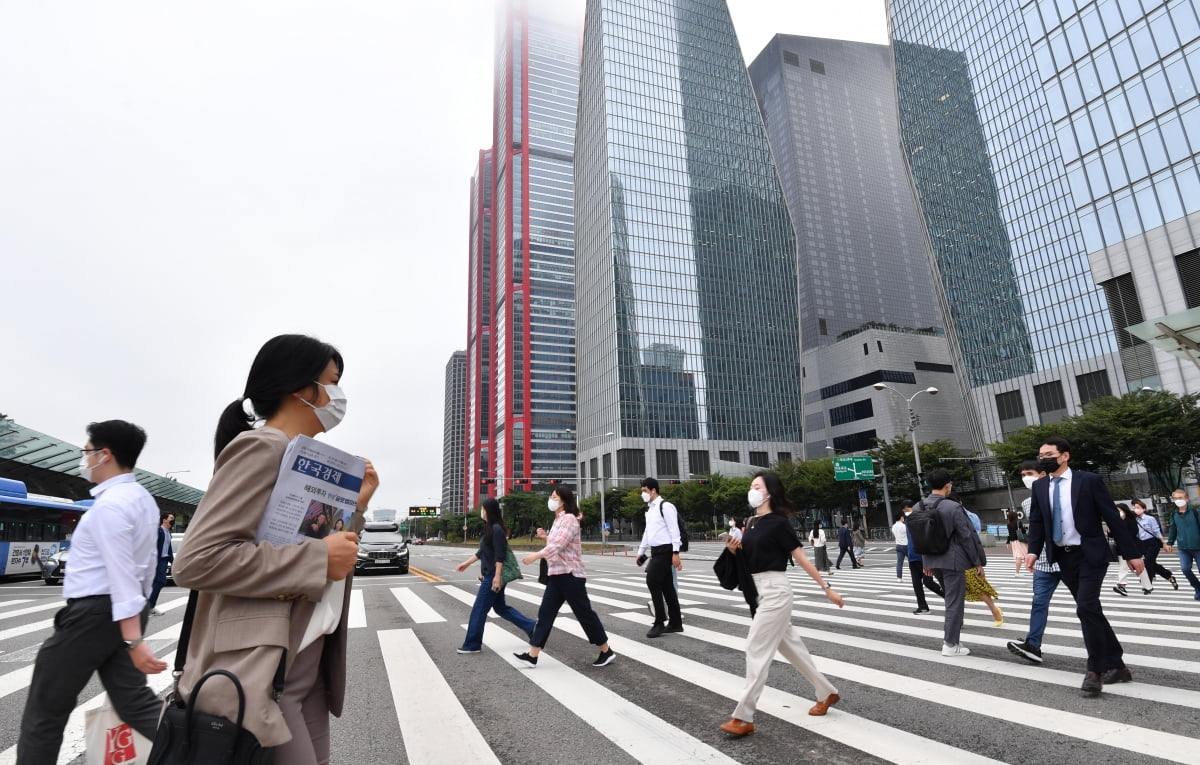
{"x": 772, "y": 631}
{"x": 1125, "y": 571}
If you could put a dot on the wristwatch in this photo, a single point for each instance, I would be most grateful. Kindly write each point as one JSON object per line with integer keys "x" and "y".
{"x": 131, "y": 644}
{"x": 827, "y": 586}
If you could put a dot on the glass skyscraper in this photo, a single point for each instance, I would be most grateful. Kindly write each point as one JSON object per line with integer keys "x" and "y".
{"x": 480, "y": 300}
{"x": 454, "y": 414}
{"x": 532, "y": 266}
{"x": 687, "y": 332}
{"x": 1052, "y": 146}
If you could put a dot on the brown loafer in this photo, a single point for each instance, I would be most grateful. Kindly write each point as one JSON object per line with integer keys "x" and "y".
{"x": 738, "y": 728}
{"x": 821, "y": 707}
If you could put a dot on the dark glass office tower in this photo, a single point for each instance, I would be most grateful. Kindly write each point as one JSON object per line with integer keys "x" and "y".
{"x": 454, "y": 414}
{"x": 480, "y": 301}
{"x": 687, "y": 332}
{"x": 1053, "y": 148}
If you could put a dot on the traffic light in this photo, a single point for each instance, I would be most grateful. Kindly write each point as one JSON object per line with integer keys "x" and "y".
{"x": 673, "y": 481}
{"x": 554, "y": 481}
{"x": 702, "y": 481}
{"x": 487, "y": 481}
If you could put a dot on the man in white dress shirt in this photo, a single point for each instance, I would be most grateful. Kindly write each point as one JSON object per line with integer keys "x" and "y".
{"x": 113, "y": 562}
{"x": 661, "y": 538}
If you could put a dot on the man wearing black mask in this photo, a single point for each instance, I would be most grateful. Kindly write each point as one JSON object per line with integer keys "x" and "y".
{"x": 1064, "y": 518}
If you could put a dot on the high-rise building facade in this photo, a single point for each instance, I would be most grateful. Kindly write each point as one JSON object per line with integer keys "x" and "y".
{"x": 454, "y": 415}
{"x": 533, "y": 273}
{"x": 868, "y": 308}
{"x": 480, "y": 302}
{"x": 1053, "y": 145}
{"x": 687, "y": 334}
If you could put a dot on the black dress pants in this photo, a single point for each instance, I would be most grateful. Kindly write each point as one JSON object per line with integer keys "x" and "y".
{"x": 1150, "y": 550}
{"x": 85, "y": 640}
{"x": 920, "y": 582}
{"x": 661, "y": 584}
{"x": 1084, "y": 580}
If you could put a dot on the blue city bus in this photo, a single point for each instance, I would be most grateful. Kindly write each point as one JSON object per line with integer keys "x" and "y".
{"x": 33, "y": 527}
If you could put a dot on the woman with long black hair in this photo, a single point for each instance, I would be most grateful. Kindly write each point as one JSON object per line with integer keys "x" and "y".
{"x": 767, "y": 543}
{"x": 565, "y": 582}
{"x": 258, "y": 600}
{"x": 493, "y": 549}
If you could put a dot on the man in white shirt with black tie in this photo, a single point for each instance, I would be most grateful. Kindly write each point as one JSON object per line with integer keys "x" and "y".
{"x": 113, "y": 562}
{"x": 661, "y": 538}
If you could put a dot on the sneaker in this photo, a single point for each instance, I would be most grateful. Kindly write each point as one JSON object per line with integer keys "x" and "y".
{"x": 678, "y": 628}
{"x": 526, "y": 659}
{"x": 1197, "y": 595}
{"x": 921, "y": 611}
{"x": 604, "y": 659}
{"x": 468, "y": 650}
{"x": 954, "y": 650}
{"x": 1120, "y": 590}
{"x": 1026, "y": 651}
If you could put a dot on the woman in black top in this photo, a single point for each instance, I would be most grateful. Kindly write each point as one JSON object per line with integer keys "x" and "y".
{"x": 768, "y": 542}
{"x": 492, "y": 550}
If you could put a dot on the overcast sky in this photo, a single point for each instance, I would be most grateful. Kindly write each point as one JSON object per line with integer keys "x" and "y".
{"x": 179, "y": 182}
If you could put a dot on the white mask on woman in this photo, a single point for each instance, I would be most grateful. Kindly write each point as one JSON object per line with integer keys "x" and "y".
{"x": 755, "y": 498}
{"x": 553, "y": 504}
{"x": 333, "y": 412}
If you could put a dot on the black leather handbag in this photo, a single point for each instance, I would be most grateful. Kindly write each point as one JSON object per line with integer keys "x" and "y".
{"x": 188, "y": 737}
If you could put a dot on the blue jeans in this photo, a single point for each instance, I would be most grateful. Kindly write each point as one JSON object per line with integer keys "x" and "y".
{"x": 1044, "y": 585}
{"x": 486, "y": 600}
{"x": 1186, "y": 559}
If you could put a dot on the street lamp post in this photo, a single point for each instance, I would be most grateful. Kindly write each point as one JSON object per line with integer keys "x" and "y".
{"x": 913, "y": 421}
{"x": 579, "y": 480}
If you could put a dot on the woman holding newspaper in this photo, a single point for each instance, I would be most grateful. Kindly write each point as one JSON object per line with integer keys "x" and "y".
{"x": 258, "y": 602}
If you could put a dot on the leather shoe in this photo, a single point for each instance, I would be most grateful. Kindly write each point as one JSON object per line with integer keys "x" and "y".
{"x": 655, "y": 631}
{"x": 821, "y": 707}
{"x": 676, "y": 628}
{"x": 1116, "y": 675}
{"x": 738, "y": 728}
{"x": 1092, "y": 684}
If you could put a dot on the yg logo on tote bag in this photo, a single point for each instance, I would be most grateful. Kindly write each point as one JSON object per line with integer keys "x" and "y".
{"x": 118, "y": 745}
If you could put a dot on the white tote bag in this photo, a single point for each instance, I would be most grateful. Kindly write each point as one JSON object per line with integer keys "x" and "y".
{"x": 112, "y": 742}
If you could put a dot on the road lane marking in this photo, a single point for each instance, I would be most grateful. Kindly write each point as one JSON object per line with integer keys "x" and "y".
{"x": 428, "y": 577}
{"x": 357, "y": 617}
{"x": 443, "y": 731}
{"x": 642, "y": 735}
{"x": 418, "y": 610}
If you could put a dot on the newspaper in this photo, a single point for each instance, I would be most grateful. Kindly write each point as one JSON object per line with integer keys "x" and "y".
{"x": 315, "y": 494}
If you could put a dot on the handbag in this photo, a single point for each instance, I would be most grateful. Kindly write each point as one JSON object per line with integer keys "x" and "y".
{"x": 543, "y": 571}
{"x": 1022, "y": 536}
{"x": 511, "y": 570}
{"x": 110, "y": 741}
{"x": 188, "y": 737}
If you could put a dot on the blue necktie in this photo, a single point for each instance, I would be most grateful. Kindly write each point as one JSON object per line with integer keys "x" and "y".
{"x": 1056, "y": 510}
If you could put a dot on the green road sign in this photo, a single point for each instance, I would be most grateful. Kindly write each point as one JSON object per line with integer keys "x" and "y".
{"x": 853, "y": 469}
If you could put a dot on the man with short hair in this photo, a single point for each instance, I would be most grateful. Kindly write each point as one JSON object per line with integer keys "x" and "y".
{"x": 661, "y": 539}
{"x": 965, "y": 551}
{"x": 1185, "y": 536}
{"x": 1065, "y": 517}
{"x": 106, "y": 587}
{"x": 1045, "y": 581}
{"x": 845, "y": 545}
{"x": 165, "y": 556}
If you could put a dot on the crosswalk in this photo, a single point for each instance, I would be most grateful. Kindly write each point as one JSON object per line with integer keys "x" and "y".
{"x": 903, "y": 702}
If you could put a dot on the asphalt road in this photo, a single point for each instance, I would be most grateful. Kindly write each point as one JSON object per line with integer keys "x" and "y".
{"x": 412, "y": 698}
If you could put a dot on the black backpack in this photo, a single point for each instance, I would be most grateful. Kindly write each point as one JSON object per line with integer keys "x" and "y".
{"x": 927, "y": 531}
{"x": 683, "y": 535}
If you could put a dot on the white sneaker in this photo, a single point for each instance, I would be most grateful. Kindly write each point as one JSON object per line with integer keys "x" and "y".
{"x": 954, "y": 650}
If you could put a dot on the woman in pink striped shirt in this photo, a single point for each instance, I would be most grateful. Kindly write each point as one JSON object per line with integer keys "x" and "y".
{"x": 566, "y": 581}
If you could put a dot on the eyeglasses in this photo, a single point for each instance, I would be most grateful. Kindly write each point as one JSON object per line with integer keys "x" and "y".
{"x": 85, "y": 451}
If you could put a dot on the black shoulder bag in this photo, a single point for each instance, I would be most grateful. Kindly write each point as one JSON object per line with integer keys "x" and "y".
{"x": 188, "y": 737}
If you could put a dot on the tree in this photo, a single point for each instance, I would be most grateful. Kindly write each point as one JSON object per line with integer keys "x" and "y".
{"x": 897, "y": 455}
{"x": 524, "y": 511}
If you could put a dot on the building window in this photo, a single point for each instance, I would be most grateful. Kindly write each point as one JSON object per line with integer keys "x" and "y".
{"x": 866, "y": 349}
{"x": 631, "y": 463}
{"x": 607, "y": 460}
{"x": 855, "y": 442}
{"x": 929, "y": 366}
{"x": 1125, "y": 308}
{"x": 729, "y": 457}
{"x": 785, "y": 456}
{"x": 1188, "y": 265}
{"x": 822, "y": 327}
{"x": 760, "y": 459}
{"x": 791, "y": 58}
{"x": 818, "y": 67}
{"x": 859, "y": 410}
{"x": 1011, "y": 410}
{"x": 1051, "y": 403}
{"x": 879, "y": 345}
{"x": 1092, "y": 386}
{"x": 666, "y": 462}
{"x": 862, "y": 381}
{"x": 698, "y": 463}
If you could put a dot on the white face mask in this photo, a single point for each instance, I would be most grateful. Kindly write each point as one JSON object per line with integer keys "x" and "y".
{"x": 85, "y": 472}
{"x": 333, "y": 412}
{"x": 755, "y": 497}
{"x": 1181, "y": 503}
{"x": 907, "y": 512}
{"x": 1028, "y": 480}
{"x": 646, "y": 496}
{"x": 553, "y": 504}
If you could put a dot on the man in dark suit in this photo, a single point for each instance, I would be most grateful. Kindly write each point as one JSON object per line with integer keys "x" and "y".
{"x": 1064, "y": 518}
{"x": 845, "y": 545}
{"x": 165, "y": 556}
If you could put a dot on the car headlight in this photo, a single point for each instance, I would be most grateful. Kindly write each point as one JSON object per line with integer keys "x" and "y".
{"x": 363, "y": 555}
